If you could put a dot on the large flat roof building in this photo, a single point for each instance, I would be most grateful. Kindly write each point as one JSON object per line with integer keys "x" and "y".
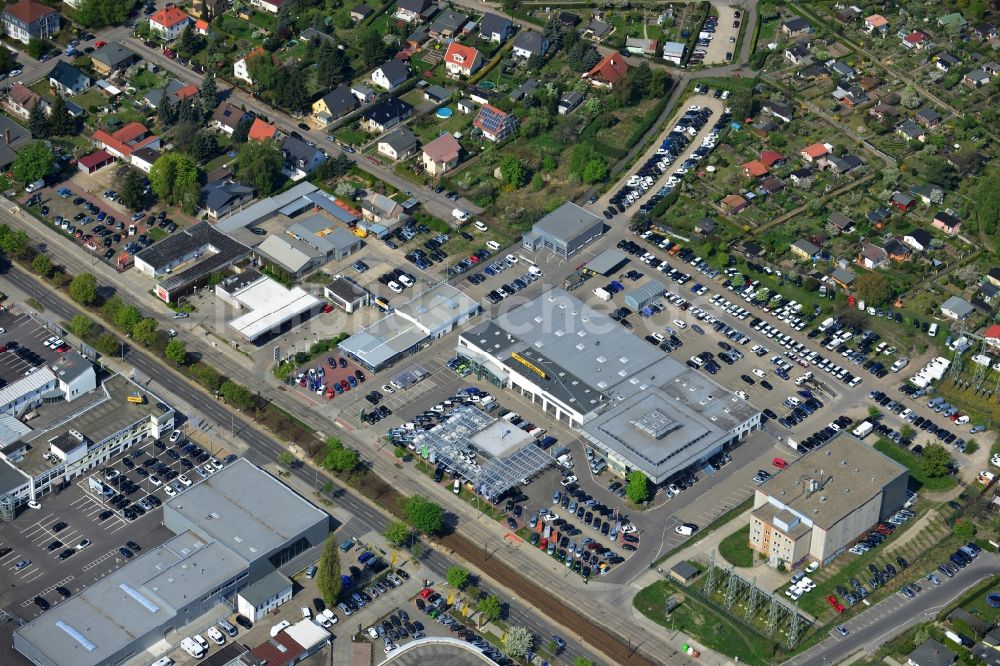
{"x": 565, "y": 231}
{"x": 641, "y": 408}
{"x": 232, "y": 529}
{"x": 271, "y": 307}
{"x": 823, "y": 502}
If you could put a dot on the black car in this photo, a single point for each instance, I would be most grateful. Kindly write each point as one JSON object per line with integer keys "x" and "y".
{"x": 68, "y": 553}
{"x": 64, "y": 592}
{"x": 133, "y": 545}
{"x": 59, "y": 527}
{"x": 104, "y": 515}
{"x": 126, "y": 553}
{"x": 244, "y": 622}
{"x": 55, "y": 545}
{"x": 42, "y": 603}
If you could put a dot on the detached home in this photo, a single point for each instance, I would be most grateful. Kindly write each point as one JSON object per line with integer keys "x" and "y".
{"x": 608, "y": 71}
{"x": 902, "y": 202}
{"x": 169, "y": 22}
{"x": 529, "y": 43}
{"x": 947, "y": 223}
{"x": 918, "y": 239}
{"x": 876, "y": 24}
{"x": 494, "y": 28}
{"x": 928, "y": 117}
{"x": 335, "y": 104}
{"x": 804, "y": 249}
{"x": 945, "y": 61}
{"x": 976, "y": 78}
{"x": 796, "y": 27}
{"x": 386, "y": 114}
{"x": 226, "y": 118}
{"x": 27, "y": 20}
{"x": 872, "y": 256}
{"x": 782, "y": 112}
{"x": 815, "y": 151}
{"x": 398, "y": 145}
{"x": 911, "y": 131}
{"x": 462, "y": 61}
{"x": 798, "y": 53}
{"x": 413, "y": 11}
{"x": 840, "y": 223}
{"x": 301, "y": 159}
{"x": 441, "y": 155}
{"x": 957, "y": 308}
{"x": 67, "y": 79}
{"x": 390, "y": 75}
{"x": 496, "y": 125}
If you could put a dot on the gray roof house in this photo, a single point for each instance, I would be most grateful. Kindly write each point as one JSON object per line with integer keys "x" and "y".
{"x": 570, "y": 101}
{"x": 565, "y": 231}
{"x": 14, "y": 136}
{"x": 399, "y": 144}
{"x": 300, "y": 156}
{"x": 529, "y": 43}
{"x": 957, "y": 308}
{"x": 67, "y": 79}
{"x": 391, "y": 74}
{"x": 222, "y": 197}
{"x": 448, "y": 23}
{"x": 840, "y": 222}
{"x": 154, "y": 97}
{"x": 112, "y": 57}
{"x": 495, "y": 28}
{"x": 928, "y": 117}
{"x": 931, "y": 653}
{"x": 911, "y": 130}
{"x": 338, "y": 102}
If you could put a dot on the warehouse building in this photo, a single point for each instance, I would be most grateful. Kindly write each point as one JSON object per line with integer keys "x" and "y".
{"x": 642, "y": 409}
{"x": 819, "y": 505}
{"x": 67, "y": 379}
{"x": 68, "y": 439}
{"x": 347, "y": 294}
{"x": 410, "y": 327}
{"x": 231, "y": 530}
{"x": 642, "y": 296}
{"x": 309, "y": 243}
{"x": 271, "y": 307}
{"x": 565, "y": 231}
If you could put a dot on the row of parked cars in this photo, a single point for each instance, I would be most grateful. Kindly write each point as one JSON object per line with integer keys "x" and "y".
{"x": 925, "y": 424}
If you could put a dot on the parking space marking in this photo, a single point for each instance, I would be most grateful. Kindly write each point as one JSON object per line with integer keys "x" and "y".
{"x": 102, "y": 558}
{"x": 50, "y": 588}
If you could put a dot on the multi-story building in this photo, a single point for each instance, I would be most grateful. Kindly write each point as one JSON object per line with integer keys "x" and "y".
{"x": 27, "y": 20}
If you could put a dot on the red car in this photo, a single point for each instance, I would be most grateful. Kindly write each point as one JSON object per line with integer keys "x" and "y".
{"x": 426, "y": 592}
{"x": 327, "y": 308}
{"x": 344, "y": 385}
{"x": 779, "y": 463}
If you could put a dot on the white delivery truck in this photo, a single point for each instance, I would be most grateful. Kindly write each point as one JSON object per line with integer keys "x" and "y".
{"x": 602, "y": 294}
{"x": 827, "y": 323}
{"x": 863, "y": 429}
{"x": 460, "y": 215}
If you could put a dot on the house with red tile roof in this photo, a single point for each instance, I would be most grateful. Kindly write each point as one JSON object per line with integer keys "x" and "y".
{"x": 27, "y": 20}
{"x": 21, "y": 100}
{"x": 734, "y": 203}
{"x": 876, "y": 23}
{"x": 608, "y": 72}
{"x": 169, "y": 22}
{"x": 915, "y": 40}
{"x": 127, "y": 141}
{"x": 261, "y": 130}
{"x": 992, "y": 335}
{"x": 815, "y": 151}
{"x": 754, "y": 169}
{"x": 94, "y": 161}
{"x": 770, "y": 158}
{"x": 461, "y": 60}
{"x": 201, "y": 27}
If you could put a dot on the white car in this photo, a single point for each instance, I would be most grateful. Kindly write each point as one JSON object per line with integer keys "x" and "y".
{"x": 373, "y": 632}
{"x": 174, "y": 436}
{"x": 995, "y": 460}
{"x": 394, "y": 287}
{"x": 155, "y": 480}
{"x": 278, "y": 628}
{"x": 813, "y": 566}
{"x": 742, "y": 395}
{"x": 388, "y": 390}
{"x": 216, "y": 636}
{"x": 479, "y": 225}
{"x": 306, "y": 613}
{"x": 405, "y": 280}
{"x": 568, "y": 480}
{"x": 679, "y": 324}
{"x": 330, "y": 616}
{"x": 183, "y": 479}
{"x": 686, "y": 529}
{"x": 169, "y": 490}
{"x": 202, "y": 643}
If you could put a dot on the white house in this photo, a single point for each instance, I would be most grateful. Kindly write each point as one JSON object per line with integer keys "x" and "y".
{"x": 462, "y": 61}
{"x": 169, "y": 22}
{"x": 240, "y": 70}
{"x": 390, "y": 75}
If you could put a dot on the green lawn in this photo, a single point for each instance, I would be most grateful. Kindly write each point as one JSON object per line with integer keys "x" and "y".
{"x": 913, "y": 462}
{"x": 735, "y": 549}
{"x": 704, "y": 623}
{"x": 352, "y": 137}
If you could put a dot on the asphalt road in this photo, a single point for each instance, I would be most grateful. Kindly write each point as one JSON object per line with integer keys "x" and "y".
{"x": 894, "y": 615}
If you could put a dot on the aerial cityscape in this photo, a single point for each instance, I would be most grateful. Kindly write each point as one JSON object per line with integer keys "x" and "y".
{"x": 499, "y": 332}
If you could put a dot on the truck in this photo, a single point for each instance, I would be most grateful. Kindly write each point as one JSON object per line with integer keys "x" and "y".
{"x": 602, "y": 294}
{"x": 932, "y": 331}
{"x": 827, "y": 323}
{"x": 863, "y": 429}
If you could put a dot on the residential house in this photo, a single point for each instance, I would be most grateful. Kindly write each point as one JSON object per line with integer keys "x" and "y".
{"x": 529, "y": 43}
{"x": 928, "y": 117}
{"x": 876, "y": 24}
{"x": 840, "y": 223}
{"x": 883, "y": 111}
{"x": 462, "y": 61}
{"x": 878, "y": 216}
{"x": 208, "y": 9}
{"x": 169, "y": 22}
{"x": 175, "y": 92}
{"x": 673, "y": 52}
{"x": 782, "y": 112}
{"x": 872, "y": 256}
{"x": 754, "y": 169}
{"x": 764, "y": 127}
{"x": 21, "y": 100}
{"x": 992, "y": 68}
{"x": 333, "y": 105}
{"x": 985, "y": 31}
{"x": 798, "y": 53}
{"x": 496, "y": 125}
{"x": 928, "y": 194}
{"x": 569, "y": 102}
{"x": 568, "y": 19}
{"x": 67, "y": 79}
{"x": 804, "y": 249}
{"x": 848, "y": 14}
{"x": 301, "y": 159}
{"x": 751, "y": 249}
{"x": 441, "y": 155}
{"x": 12, "y": 138}
{"x": 945, "y": 61}
{"x": 815, "y": 70}
{"x": 261, "y": 131}
{"x": 466, "y": 106}
{"x": 957, "y": 308}
{"x": 314, "y": 36}
{"x": 734, "y": 203}
{"x": 448, "y": 25}
{"x": 437, "y": 94}
{"x": 399, "y": 144}
{"x": 608, "y": 71}
{"x": 597, "y": 30}
{"x": 222, "y": 197}
{"x": 988, "y": 292}
{"x": 902, "y": 202}
{"x": 226, "y": 118}
{"x": 706, "y": 226}
{"x": 851, "y": 96}
{"x": 842, "y": 165}
{"x": 796, "y": 27}
{"x": 269, "y": 6}
{"x": 993, "y": 275}
{"x": 381, "y": 209}
{"x": 931, "y": 653}
{"x": 897, "y": 250}
{"x": 26, "y": 20}
{"x": 947, "y": 223}
{"x": 125, "y": 142}
{"x": 495, "y": 28}
{"x": 917, "y": 39}
{"x": 911, "y": 131}
{"x": 420, "y": 36}
{"x": 815, "y": 151}
{"x": 240, "y": 69}
{"x": 976, "y": 78}
{"x": 841, "y": 69}
{"x": 361, "y": 12}
{"x": 390, "y": 75}
{"x": 770, "y": 158}
{"x": 201, "y": 27}
{"x": 952, "y": 20}
{"x": 386, "y": 114}
{"x": 641, "y": 47}
{"x": 770, "y": 185}
{"x": 801, "y": 177}
{"x": 843, "y": 277}
{"x": 918, "y": 239}
{"x": 869, "y": 83}
{"x": 111, "y": 58}
{"x": 363, "y": 93}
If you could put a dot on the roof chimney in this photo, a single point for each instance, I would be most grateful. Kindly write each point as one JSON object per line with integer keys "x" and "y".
{"x": 6, "y": 137}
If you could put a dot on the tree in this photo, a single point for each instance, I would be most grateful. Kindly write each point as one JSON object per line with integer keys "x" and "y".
{"x": 80, "y": 325}
{"x": 204, "y": 147}
{"x": 332, "y": 66}
{"x": 242, "y": 128}
{"x": 237, "y": 395}
{"x": 108, "y": 345}
{"x": 144, "y": 332}
{"x": 172, "y": 174}
{"x": 286, "y": 459}
{"x": 489, "y": 607}
{"x": 582, "y": 661}
{"x": 132, "y": 190}
{"x": 166, "y": 112}
{"x": 640, "y": 223}
{"x": 100, "y": 13}
{"x": 513, "y": 172}
{"x": 373, "y": 48}
{"x": 176, "y": 351}
{"x": 208, "y": 95}
{"x": 190, "y": 42}
{"x": 83, "y": 289}
{"x": 127, "y": 317}
{"x": 964, "y": 530}
{"x": 338, "y": 458}
{"x": 518, "y": 641}
{"x": 638, "y": 487}
{"x": 328, "y": 580}
{"x": 34, "y": 162}
{"x": 936, "y": 460}
{"x": 37, "y": 48}
{"x": 873, "y": 413}
{"x": 873, "y": 288}
{"x": 987, "y": 205}
{"x": 595, "y": 170}
{"x": 939, "y": 172}
{"x": 259, "y": 164}
{"x": 423, "y": 514}
{"x": 42, "y": 264}
{"x": 907, "y": 432}
{"x": 38, "y": 122}
{"x": 458, "y": 577}
{"x": 909, "y": 97}
{"x": 396, "y": 532}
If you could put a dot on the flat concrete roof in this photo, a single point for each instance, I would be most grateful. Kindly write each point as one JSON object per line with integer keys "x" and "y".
{"x": 271, "y": 304}
{"x": 437, "y": 651}
{"x": 566, "y": 222}
{"x": 850, "y": 472}
{"x": 607, "y": 262}
{"x": 437, "y": 306}
{"x": 383, "y": 340}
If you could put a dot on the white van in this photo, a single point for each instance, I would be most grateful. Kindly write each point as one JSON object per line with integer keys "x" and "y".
{"x": 932, "y": 331}
{"x": 163, "y": 661}
{"x": 479, "y": 225}
{"x": 192, "y": 648}
{"x": 493, "y": 245}
{"x": 456, "y": 487}
{"x": 460, "y": 215}
{"x": 37, "y": 185}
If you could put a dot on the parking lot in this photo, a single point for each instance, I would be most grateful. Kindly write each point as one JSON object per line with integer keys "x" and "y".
{"x": 727, "y": 32}
{"x": 23, "y": 346}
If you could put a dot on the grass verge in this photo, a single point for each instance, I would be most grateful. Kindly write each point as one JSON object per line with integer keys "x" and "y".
{"x": 716, "y": 524}
{"x": 913, "y": 462}
{"x": 735, "y": 549}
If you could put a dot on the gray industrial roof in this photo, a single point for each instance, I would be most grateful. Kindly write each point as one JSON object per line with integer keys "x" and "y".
{"x": 324, "y": 234}
{"x": 264, "y": 208}
{"x": 437, "y": 306}
{"x": 641, "y": 296}
{"x": 228, "y": 507}
{"x": 186, "y": 241}
{"x": 384, "y": 340}
{"x": 265, "y": 588}
{"x": 850, "y": 472}
{"x": 607, "y": 262}
{"x": 566, "y": 222}
{"x": 959, "y": 306}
